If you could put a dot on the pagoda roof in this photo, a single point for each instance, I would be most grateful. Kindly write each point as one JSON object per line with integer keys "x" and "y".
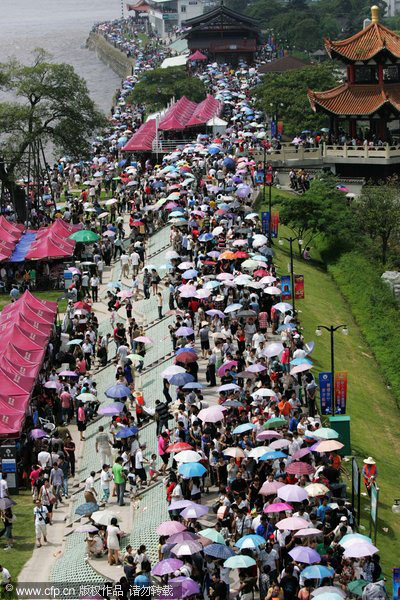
{"x": 356, "y": 99}
{"x": 222, "y": 16}
{"x": 365, "y": 44}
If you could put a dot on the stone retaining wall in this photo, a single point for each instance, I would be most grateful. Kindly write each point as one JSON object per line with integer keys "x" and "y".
{"x": 110, "y": 55}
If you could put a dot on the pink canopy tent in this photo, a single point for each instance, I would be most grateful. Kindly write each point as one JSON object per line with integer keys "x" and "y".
{"x": 197, "y": 56}
{"x": 206, "y": 110}
{"x": 25, "y": 329}
{"x": 142, "y": 140}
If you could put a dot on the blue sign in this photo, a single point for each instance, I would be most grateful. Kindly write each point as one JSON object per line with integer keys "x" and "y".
{"x": 265, "y": 222}
{"x": 274, "y": 129}
{"x": 259, "y": 177}
{"x": 286, "y": 287}
{"x": 325, "y": 393}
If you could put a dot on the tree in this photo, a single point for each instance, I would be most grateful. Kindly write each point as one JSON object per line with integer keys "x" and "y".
{"x": 52, "y": 104}
{"x": 158, "y": 86}
{"x": 287, "y": 92}
{"x": 322, "y": 210}
{"x": 378, "y": 214}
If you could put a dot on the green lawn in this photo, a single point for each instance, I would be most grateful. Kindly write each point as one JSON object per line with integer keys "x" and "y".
{"x": 51, "y": 295}
{"x": 373, "y": 410}
{"x": 24, "y": 536}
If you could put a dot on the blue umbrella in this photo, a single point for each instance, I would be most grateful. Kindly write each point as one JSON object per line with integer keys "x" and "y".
{"x": 219, "y": 551}
{"x": 286, "y": 327}
{"x": 210, "y": 285}
{"x": 213, "y": 150}
{"x": 273, "y": 455}
{"x": 206, "y": 237}
{"x": 317, "y": 572}
{"x": 121, "y": 163}
{"x": 242, "y": 428}
{"x": 191, "y": 469}
{"x": 250, "y": 541}
{"x": 180, "y": 379}
{"x": 300, "y": 361}
{"x": 233, "y": 404}
{"x": 181, "y": 350}
{"x": 229, "y": 162}
{"x": 118, "y": 391}
{"x": 193, "y": 385}
{"x": 190, "y": 273}
{"x": 127, "y": 432}
{"x": 86, "y": 509}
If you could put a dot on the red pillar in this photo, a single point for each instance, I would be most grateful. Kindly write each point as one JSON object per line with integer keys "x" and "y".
{"x": 351, "y": 73}
{"x": 380, "y": 73}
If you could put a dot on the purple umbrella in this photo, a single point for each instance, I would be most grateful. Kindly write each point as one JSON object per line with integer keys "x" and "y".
{"x": 216, "y": 313}
{"x": 111, "y": 409}
{"x": 170, "y": 527}
{"x": 167, "y": 566}
{"x": 292, "y": 493}
{"x": 305, "y": 555}
{"x": 36, "y": 434}
{"x": 194, "y": 512}
{"x": 184, "y": 536}
{"x": 186, "y": 548}
{"x": 301, "y": 453}
{"x": 184, "y": 331}
{"x": 185, "y": 586}
{"x": 52, "y": 385}
{"x": 213, "y": 254}
{"x": 257, "y": 368}
{"x": 68, "y": 374}
{"x": 243, "y": 191}
{"x": 179, "y": 504}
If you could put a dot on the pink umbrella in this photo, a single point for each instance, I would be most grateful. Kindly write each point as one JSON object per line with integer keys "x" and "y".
{"x": 195, "y": 511}
{"x": 300, "y": 369}
{"x": 308, "y": 532}
{"x": 170, "y": 527}
{"x": 167, "y": 566}
{"x": 225, "y": 276}
{"x": 299, "y": 468}
{"x": 328, "y": 446}
{"x": 277, "y": 507}
{"x": 186, "y": 548}
{"x": 184, "y": 536}
{"x": 301, "y": 453}
{"x": 273, "y": 291}
{"x": 68, "y": 374}
{"x": 179, "y": 504}
{"x": 52, "y": 385}
{"x": 292, "y": 493}
{"x": 292, "y": 523}
{"x": 212, "y": 414}
{"x": 226, "y": 366}
{"x": 267, "y": 435}
{"x": 270, "y": 487}
{"x": 125, "y": 294}
{"x": 144, "y": 339}
{"x": 239, "y": 243}
{"x": 234, "y": 452}
{"x": 201, "y": 294}
{"x": 278, "y": 444}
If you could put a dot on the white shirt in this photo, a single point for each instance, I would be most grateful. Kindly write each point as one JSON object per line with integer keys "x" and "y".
{"x": 40, "y": 517}
{"x": 105, "y": 478}
{"x": 124, "y": 259}
{"x": 43, "y": 458}
{"x": 139, "y": 459}
{"x": 85, "y": 280}
{"x": 299, "y": 353}
{"x": 94, "y": 281}
{"x": 135, "y": 259}
{"x": 89, "y": 484}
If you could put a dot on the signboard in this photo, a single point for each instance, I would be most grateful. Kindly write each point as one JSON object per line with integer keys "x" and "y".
{"x": 280, "y": 127}
{"x": 274, "y": 129}
{"x": 340, "y": 392}
{"x": 299, "y": 287}
{"x": 265, "y": 222}
{"x": 67, "y": 279}
{"x": 355, "y": 490}
{"x": 286, "y": 287}
{"x": 259, "y": 177}
{"x": 325, "y": 393}
{"x": 374, "y": 510}
{"x": 8, "y": 456}
{"x": 274, "y": 224}
{"x": 396, "y": 584}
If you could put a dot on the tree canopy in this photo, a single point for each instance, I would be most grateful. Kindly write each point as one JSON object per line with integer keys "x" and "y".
{"x": 287, "y": 93}
{"x": 158, "y": 86}
{"x": 52, "y": 104}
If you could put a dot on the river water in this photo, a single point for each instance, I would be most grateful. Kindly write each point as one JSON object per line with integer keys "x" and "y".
{"x": 61, "y": 27}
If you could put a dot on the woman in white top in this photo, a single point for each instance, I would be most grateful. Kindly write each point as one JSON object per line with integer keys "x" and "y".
{"x": 113, "y": 532}
{"x": 194, "y": 486}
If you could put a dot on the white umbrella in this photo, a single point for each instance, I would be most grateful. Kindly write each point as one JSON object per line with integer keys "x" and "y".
{"x": 172, "y": 370}
{"x": 273, "y": 349}
{"x": 187, "y": 456}
{"x": 103, "y": 517}
{"x": 283, "y": 306}
{"x": 258, "y": 451}
{"x": 264, "y": 393}
{"x": 273, "y": 291}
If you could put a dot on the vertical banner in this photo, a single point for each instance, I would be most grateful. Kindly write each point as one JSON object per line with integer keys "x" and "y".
{"x": 274, "y": 224}
{"x": 355, "y": 490}
{"x": 325, "y": 393}
{"x": 280, "y": 127}
{"x": 286, "y": 287}
{"x": 274, "y": 129}
{"x": 299, "y": 287}
{"x": 259, "y": 177}
{"x": 340, "y": 392}
{"x": 374, "y": 510}
{"x": 265, "y": 222}
{"x": 396, "y": 584}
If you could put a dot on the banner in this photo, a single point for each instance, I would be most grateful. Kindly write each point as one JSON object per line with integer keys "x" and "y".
{"x": 340, "y": 392}
{"x": 259, "y": 177}
{"x": 325, "y": 393}
{"x": 299, "y": 287}
{"x": 286, "y": 287}
{"x": 355, "y": 490}
{"x": 374, "y": 511}
{"x": 274, "y": 224}
{"x": 396, "y": 584}
{"x": 280, "y": 127}
{"x": 274, "y": 129}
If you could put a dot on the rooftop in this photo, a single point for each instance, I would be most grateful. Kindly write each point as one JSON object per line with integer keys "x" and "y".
{"x": 280, "y": 65}
{"x": 356, "y": 99}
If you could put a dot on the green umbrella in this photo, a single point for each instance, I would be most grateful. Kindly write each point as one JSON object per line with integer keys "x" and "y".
{"x": 85, "y": 236}
{"x": 276, "y": 422}
{"x": 213, "y": 535}
{"x": 356, "y": 587}
{"x": 135, "y": 357}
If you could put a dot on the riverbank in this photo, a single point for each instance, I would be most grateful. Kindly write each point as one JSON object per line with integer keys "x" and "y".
{"x": 114, "y": 58}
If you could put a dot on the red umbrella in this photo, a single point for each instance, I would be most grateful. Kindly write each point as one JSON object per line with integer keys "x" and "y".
{"x": 241, "y": 254}
{"x": 186, "y": 357}
{"x": 83, "y": 306}
{"x": 137, "y": 223}
{"x": 299, "y": 468}
{"x": 260, "y": 273}
{"x": 179, "y": 447}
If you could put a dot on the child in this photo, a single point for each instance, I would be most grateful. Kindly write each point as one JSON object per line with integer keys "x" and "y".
{"x": 132, "y": 482}
{"x": 105, "y": 478}
{"x": 152, "y": 468}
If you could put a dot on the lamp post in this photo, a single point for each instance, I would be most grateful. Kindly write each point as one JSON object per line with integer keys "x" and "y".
{"x": 268, "y": 179}
{"x": 300, "y": 242}
{"x": 332, "y": 329}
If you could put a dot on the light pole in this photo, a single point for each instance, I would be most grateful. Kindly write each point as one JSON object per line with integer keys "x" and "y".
{"x": 267, "y": 179}
{"x": 300, "y": 242}
{"x": 332, "y": 329}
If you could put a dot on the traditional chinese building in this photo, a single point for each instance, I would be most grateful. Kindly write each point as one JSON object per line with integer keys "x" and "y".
{"x": 224, "y": 35}
{"x": 367, "y": 104}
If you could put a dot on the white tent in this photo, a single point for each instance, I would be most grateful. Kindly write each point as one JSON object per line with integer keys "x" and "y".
{"x": 174, "y": 61}
{"x": 218, "y": 125}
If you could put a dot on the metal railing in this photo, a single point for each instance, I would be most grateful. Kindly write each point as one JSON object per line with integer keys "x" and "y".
{"x": 326, "y": 152}
{"x": 166, "y": 146}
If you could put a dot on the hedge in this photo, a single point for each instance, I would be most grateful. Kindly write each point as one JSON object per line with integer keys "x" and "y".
{"x": 375, "y": 310}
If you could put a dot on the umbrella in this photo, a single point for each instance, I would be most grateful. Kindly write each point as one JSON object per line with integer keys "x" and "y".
{"x": 88, "y": 528}
{"x": 299, "y": 468}
{"x": 328, "y": 589}
{"x": 305, "y": 555}
{"x": 182, "y": 536}
{"x": 167, "y": 566}
{"x": 234, "y": 452}
{"x": 195, "y": 511}
{"x": 190, "y": 274}
{"x": 258, "y": 451}
{"x": 308, "y": 532}
{"x": 300, "y": 369}
{"x": 179, "y": 447}
{"x": 317, "y": 572}
{"x": 328, "y": 446}
{"x": 283, "y": 307}
{"x": 186, "y": 548}
{"x": 226, "y": 367}
{"x": 180, "y": 379}
{"x": 273, "y": 349}
{"x": 239, "y": 561}
{"x": 6, "y": 503}
{"x": 193, "y": 469}
{"x": 86, "y": 397}
{"x": 275, "y": 422}
{"x": 250, "y": 541}
{"x": 172, "y": 370}
{"x": 215, "y": 313}
{"x": 86, "y": 509}
{"x": 360, "y": 549}
{"x": 186, "y": 587}
{"x": 213, "y": 535}
{"x": 77, "y": 341}
{"x": 257, "y": 368}
{"x": 301, "y": 453}
{"x": 292, "y": 523}
{"x": 85, "y": 236}
{"x": 232, "y": 308}
{"x": 293, "y": 493}
{"x": 213, "y": 414}
{"x": 218, "y": 551}
{"x": 242, "y": 428}
{"x": 350, "y": 537}
{"x": 118, "y": 391}
{"x": 52, "y": 385}
{"x": 325, "y": 433}
{"x": 277, "y": 507}
{"x": 233, "y": 404}
{"x": 278, "y": 444}
{"x": 267, "y": 435}
{"x": 69, "y": 374}
{"x": 356, "y": 587}
{"x": 227, "y": 387}
{"x": 143, "y": 339}
{"x": 316, "y": 489}
{"x": 179, "y": 504}
{"x": 187, "y": 456}
{"x": 103, "y": 517}
{"x": 186, "y": 358}
{"x": 36, "y": 434}
{"x": 270, "y": 488}
{"x": 127, "y": 432}
{"x": 111, "y": 409}
{"x": 330, "y": 596}
{"x": 273, "y": 455}
{"x": 184, "y": 331}
{"x": 170, "y": 527}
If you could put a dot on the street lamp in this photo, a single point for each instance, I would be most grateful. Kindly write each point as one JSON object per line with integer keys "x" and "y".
{"x": 332, "y": 330}
{"x": 268, "y": 179}
{"x": 300, "y": 242}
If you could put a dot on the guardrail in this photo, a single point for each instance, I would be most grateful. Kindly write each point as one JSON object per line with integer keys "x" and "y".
{"x": 325, "y": 152}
